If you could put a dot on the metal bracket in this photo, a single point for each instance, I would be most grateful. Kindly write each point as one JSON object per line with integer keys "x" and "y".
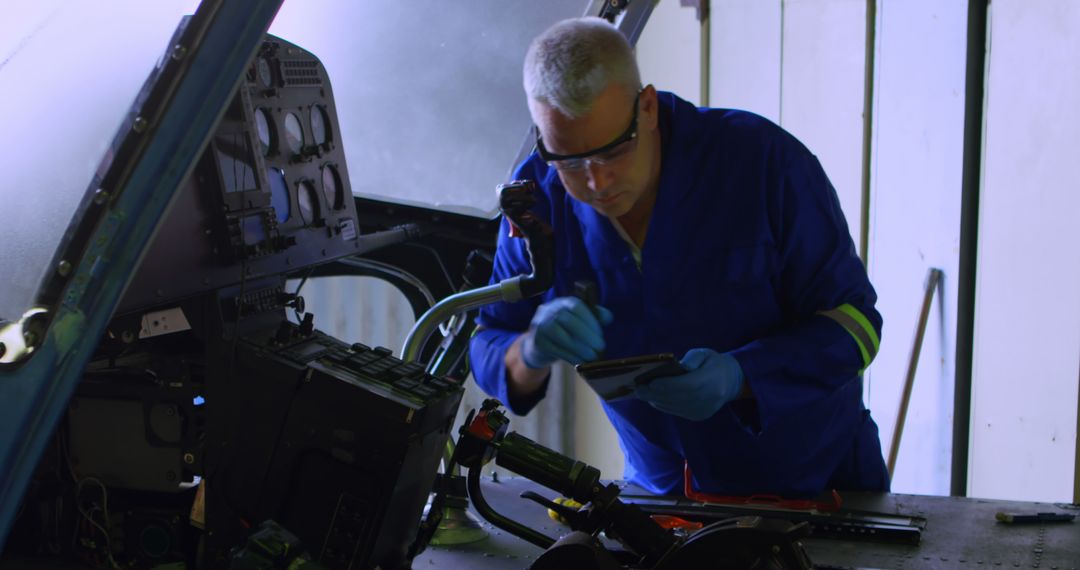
{"x": 19, "y": 339}
{"x": 700, "y": 6}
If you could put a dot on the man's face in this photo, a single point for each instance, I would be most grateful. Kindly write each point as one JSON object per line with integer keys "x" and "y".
{"x": 611, "y": 160}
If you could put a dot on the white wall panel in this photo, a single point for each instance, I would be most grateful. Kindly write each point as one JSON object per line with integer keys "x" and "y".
{"x": 595, "y": 440}
{"x": 669, "y": 52}
{"x": 822, "y": 90}
{"x": 744, "y": 56}
{"x": 915, "y": 225}
{"x": 1027, "y": 337}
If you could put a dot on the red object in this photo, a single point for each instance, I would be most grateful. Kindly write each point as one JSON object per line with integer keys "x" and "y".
{"x": 515, "y": 232}
{"x": 669, "y": 522}
{"x": 481, "y": 428}
{"x": 772, "y": 501}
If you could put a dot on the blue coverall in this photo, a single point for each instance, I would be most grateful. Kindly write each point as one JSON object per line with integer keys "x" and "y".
{"x": 748, "y": 252}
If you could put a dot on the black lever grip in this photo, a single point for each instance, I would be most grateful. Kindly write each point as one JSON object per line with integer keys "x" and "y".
{"x": 516, "y": 200}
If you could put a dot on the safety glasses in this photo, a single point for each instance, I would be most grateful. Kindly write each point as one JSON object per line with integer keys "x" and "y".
{"x": 608, "y": 154}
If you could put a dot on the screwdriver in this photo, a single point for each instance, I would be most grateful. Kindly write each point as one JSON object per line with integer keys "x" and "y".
{"x": 586, "y": 291}
{"x": 1013, "y": 518}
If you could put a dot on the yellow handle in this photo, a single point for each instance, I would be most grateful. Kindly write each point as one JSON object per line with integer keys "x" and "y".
{"x": 566, "y": 503}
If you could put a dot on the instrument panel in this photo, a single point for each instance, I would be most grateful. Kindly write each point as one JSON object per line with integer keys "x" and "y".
{"x": 269, "y": 196}
{"x": 287, "y": 104}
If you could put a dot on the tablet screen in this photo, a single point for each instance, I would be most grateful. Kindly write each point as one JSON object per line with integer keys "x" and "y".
{"x": 616, "y": 379}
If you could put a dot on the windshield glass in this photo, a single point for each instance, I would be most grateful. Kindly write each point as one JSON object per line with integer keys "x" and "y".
{"x": 428, "y": 94}
{"x": 70, "y": 71}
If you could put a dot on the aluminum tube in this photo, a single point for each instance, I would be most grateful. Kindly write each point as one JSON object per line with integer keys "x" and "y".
{"x": 508, "y": 290}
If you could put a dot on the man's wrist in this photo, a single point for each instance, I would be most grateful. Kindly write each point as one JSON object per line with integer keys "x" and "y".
{"x": 521, "y": 377}
{"x": 525, "y": 349}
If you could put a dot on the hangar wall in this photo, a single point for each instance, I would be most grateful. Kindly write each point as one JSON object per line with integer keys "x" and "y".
{"x": 801, "y": 63}
{"x": 1027, "y": 311}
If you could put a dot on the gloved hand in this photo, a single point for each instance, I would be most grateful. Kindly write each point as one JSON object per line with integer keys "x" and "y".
{"x": 712, "y": 380}
{"x": 564, "y": 328}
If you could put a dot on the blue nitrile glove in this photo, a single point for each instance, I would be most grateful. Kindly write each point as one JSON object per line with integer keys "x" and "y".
{"x": 564, "y": 328}
{"x": 712, "y": 380}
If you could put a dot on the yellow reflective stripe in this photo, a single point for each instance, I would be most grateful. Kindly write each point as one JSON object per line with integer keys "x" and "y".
{"x": 854, "y": 313}
{"x": 860, "y": 329}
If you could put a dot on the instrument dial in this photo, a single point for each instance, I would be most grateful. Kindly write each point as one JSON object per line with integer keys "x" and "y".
{"x": 332, "y": 188}
{"x": 308, "y": 201}
{"x": 264, "y": 125}
{"x": 319, "y": 124}
{"x": 264, "y": 72}
{"x": 294, "y": 133}
{"x": 279, "y": 194}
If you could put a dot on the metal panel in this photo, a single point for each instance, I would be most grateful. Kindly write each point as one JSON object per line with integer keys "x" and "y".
{"x": 1027, "y": 325}
{"x": 668, "y": 53}
{"x": 915, "y": 221}
{"x": 822, "y": 90}
{"x": 745, "y": 56}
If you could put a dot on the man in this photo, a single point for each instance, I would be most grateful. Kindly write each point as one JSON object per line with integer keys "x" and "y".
{"x": 712, "y": 234}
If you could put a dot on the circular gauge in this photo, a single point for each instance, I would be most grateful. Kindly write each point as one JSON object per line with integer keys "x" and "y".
{"x": 318, "y": 124}
{"x": 279, "y": 194}
{"x": 331, "y": 186}
{"x": 264, "y": 72}
{"x": 294, "y": 133}
{"x": 308, "y": 201}
{"x": 265, "y": 128}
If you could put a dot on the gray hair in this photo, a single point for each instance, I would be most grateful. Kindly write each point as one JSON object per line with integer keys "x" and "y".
{"x": 568, "y": 65}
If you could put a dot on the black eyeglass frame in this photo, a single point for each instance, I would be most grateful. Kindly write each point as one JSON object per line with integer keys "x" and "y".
{"x": 628, "y": 135}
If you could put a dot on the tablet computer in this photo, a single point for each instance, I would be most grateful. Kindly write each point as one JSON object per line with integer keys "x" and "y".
{"x": 616, "y": 379}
